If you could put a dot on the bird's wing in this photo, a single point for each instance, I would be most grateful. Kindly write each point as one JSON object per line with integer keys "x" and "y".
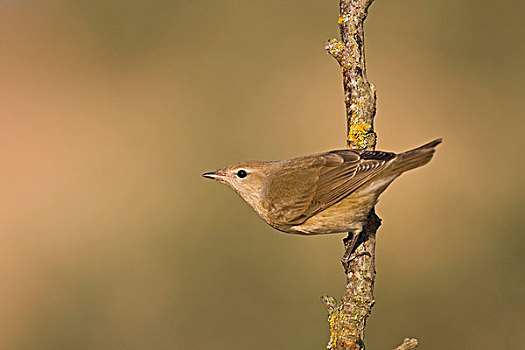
{"x": 303, "y": 187}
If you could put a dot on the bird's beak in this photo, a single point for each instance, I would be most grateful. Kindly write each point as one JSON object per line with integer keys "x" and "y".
{"x": 213, "y": 175}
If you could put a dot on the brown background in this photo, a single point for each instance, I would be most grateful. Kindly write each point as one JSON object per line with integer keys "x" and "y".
{"x": 111, "y": 110}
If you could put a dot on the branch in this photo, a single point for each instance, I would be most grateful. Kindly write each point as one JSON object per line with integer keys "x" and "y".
{"x": 408, "y": 344}
{"x": 348, "y": 319}
{"x": 360, "y": 95}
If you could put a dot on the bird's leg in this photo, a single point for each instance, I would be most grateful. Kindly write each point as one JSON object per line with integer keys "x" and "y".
{"x": 349, "y": 254}
{"x": 350, "y": 245}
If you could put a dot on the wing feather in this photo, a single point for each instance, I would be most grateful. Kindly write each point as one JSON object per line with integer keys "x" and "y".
{"x": 302, "y": 187}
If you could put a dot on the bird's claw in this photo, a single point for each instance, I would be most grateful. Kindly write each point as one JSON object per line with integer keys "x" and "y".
{"x": 349, "y": 257}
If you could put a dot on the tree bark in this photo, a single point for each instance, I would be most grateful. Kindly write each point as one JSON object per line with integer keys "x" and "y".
{"x": 347, "y": 320}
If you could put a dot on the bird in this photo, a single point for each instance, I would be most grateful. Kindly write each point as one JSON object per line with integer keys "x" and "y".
{"x": 323, "y": 193}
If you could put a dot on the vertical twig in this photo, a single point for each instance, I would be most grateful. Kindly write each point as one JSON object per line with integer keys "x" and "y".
{"x": 360, "y": 96}
{"x": 348, "y": 319}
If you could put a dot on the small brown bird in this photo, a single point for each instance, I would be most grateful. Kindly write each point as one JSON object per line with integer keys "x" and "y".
{"x": 321, "y": 193}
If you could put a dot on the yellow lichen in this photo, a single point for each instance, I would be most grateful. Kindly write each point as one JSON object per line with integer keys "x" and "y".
{"x": 340, "y": 334}
{"x": 357, "y": 134}
{"x": 335, "y": 47}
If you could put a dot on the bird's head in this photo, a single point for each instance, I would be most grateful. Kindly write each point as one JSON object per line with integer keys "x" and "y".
{"x": 247, "y": 179}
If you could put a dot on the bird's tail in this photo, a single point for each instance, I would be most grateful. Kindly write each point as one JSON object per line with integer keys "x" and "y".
{"x": 414, "y": 158}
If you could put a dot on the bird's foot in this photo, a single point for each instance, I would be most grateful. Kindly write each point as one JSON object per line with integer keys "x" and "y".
{"x": 350, "y": 243}
{"x": 350, "y": 256}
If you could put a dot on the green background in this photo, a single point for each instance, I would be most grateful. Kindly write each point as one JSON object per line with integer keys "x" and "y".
{"x": 111, "y": 110}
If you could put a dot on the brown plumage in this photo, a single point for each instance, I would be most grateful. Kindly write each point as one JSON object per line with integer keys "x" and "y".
{"x": 321, "y": 193}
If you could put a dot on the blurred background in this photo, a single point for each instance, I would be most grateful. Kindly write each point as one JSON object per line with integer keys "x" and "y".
{"x": 111, "y": 110}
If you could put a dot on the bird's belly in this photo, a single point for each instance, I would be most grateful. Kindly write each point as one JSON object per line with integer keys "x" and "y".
{"x": 344, "y": 216}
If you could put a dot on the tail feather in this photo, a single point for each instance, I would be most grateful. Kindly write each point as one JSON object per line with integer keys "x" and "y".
{"x": 414, "y": 158}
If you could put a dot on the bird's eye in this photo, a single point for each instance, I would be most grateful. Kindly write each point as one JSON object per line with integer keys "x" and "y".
{"x": 242, "y": 173}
